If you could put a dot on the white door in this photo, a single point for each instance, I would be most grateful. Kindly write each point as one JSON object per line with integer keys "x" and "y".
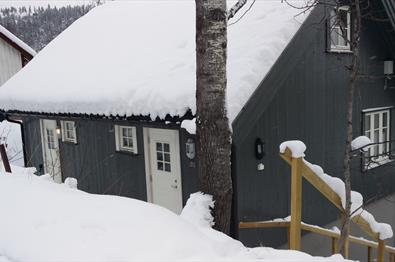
{"x": 50, "y": 145}
{"x": 163, "y": 168}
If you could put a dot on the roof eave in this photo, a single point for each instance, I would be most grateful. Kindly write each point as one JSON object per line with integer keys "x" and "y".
{"x": 138, "y": 118}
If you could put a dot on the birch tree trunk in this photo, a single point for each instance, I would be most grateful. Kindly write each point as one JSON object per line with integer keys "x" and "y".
{"x": 354, "y": 70}
{"x": 213, "y": 132}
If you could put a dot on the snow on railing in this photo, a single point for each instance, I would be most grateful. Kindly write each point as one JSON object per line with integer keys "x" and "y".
{"x": 333, "y": 189}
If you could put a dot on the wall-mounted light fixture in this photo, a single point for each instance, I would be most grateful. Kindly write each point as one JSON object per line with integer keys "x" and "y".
{"x": 388, "y": 72}
{"x": 58, "y": 131}
{"x": 259, "y": 148}
{"x": 190, "y": 148}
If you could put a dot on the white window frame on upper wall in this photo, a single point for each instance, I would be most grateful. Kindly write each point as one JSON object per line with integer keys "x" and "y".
{"x": 66, "y": 131}
{"x": 336, "y": 29}
{"x": 119, "y": 138}
{"x": 378, "y": 131}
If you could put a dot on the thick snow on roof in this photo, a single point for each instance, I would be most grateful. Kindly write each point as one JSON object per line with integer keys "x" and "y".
{"x": 138, "y": 57}
{"x": 17, "y": 41}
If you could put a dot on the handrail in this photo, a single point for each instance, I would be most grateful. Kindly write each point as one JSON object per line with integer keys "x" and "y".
{"x": 314, "y": 229}
{"x": 300, "y": 169}
{"x": 328, "y": 192}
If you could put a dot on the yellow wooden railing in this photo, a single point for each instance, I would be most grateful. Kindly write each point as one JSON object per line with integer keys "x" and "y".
{"x": 295, "y": 226}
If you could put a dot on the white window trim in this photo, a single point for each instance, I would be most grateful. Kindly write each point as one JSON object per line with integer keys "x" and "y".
{"x": 381, "y": 159}
{"x": 341, "y": 48}
{"x": 118, "y": 139}
{"x": 64, "y": 136}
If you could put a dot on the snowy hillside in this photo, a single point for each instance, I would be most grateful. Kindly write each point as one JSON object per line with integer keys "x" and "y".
{"x": 46, "y": 221}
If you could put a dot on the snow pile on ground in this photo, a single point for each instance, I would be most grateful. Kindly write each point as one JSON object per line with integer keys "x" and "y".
{"x": 360, "y": 143}
{"x": 138, "y": 57}
{"x": 45, "y": 221}
{"x": 337, "y": 185}
{"x": 10, "y": 135}
{"x": 17, "y": 41}
{"x": 198, "y": 210}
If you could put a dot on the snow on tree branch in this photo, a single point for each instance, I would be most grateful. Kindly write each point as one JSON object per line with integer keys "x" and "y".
{"x": 236, "y": 8}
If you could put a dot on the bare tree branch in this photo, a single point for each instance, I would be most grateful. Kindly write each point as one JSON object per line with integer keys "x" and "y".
{"x": 236, "y": 8}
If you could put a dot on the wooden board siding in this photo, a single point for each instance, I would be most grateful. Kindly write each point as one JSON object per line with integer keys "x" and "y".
{"x": 188, "y": 168}
{"x": 10, "y": 61}
{"x": 98, "y": 167}
{"x": 33, "y": 147}
{"x": 304, "y": 97}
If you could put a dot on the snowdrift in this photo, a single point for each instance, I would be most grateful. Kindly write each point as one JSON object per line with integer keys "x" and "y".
{"x": 45, "y": 221}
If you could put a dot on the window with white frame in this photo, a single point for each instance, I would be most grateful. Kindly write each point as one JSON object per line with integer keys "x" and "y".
{"x": 340, "y": 29}
{"x": 377, "y": 128}
{"x": 125, "y": 138}
{"x": 69, "y": 133}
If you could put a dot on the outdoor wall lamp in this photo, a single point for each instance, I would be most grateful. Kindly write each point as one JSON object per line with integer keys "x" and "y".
{"x": 259, "y": 148}
{"x": 58, "y": 131}
{"x": 190, "y": 148}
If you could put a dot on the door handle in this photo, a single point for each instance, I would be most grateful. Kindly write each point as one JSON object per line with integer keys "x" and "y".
{"x": 174, "y": 186}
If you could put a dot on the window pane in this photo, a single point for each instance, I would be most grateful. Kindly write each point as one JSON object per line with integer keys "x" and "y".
{"x": 129, "y": 132}
{"x": 367, "y": 122}
{"x": 376, "y": 120}
{"x": 343, "y": 19}
{"x": 159, "y": 156}
{"x": 334, "y": 37}
{"x": 125, "y": 142}
{"x": 160, "y": 166}
{"x": 385, "y": 138}
{"x": 124, "y": 132}
{"x": 166, "y": 147}
{"x": 167, "y": 157}
{"x": 376, "y": 140}
{"x": 385, "y": 119}
{"x": 158, "y": 146}
{"x": 167, "y": 167}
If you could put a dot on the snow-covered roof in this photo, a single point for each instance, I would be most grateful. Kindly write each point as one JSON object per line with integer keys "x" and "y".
{"x": 17, "y": 41}
{"x": 138, "y": 58}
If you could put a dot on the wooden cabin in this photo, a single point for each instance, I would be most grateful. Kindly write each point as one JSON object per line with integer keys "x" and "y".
{"x": 107, "y": 103}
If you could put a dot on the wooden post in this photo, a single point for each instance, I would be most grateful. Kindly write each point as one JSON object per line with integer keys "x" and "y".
{"x": 4, "y": 158}
{"x": 369, "y": 254}
{"x": 391, "y": 257}
{"x": 296, "y": 203}
{"x": 347, "y": 248}
{"x": 334, "y": 245}
{"x": 380, "y": 251}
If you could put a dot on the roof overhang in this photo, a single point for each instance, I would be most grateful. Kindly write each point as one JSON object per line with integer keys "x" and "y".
{"x": 24, "y": 53}
{"x": 171, "y": 119}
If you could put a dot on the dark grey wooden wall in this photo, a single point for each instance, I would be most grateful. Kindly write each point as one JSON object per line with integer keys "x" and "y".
{"x": 33, "y": 147}
{"x": 304, "y": 97}
{"x": 96, "y": 164}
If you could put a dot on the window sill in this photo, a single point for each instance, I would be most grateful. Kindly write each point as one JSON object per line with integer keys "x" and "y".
{"x": 69, "y": 142}
{"x": 124, "y": 152}
{"x": 339, "y": 51}
{"x": 379, "y": 163}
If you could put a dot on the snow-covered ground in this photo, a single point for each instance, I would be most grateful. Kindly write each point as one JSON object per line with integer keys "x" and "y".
{"x": 44, "y": 221}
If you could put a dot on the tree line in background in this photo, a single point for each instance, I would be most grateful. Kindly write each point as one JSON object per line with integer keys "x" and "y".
{"x": 37, "y": 26}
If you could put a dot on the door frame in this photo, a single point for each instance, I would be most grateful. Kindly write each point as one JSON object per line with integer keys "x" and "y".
{"x": 43, "y": 145}
{"x": 147, "y": 161}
